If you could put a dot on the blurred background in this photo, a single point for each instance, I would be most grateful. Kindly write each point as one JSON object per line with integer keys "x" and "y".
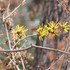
{"x": 33, "y": 14}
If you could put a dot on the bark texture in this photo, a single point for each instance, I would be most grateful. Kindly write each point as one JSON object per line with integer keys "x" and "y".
{"x": 53, "y": 10}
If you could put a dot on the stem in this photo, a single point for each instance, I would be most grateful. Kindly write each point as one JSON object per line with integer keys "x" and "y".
{"x": 8, "y": 36}
{"x": 22, "y": 61}
{"x": 14, "y": 64}
{"x": 10, "y": 46}
{"x": 24, "y": 38}
{"x": 20, "y": 57}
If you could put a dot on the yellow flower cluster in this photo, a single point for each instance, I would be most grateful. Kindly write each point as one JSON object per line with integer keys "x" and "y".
{"x": 42, "y": 32}
{"x": 52, "y": 28}
{"x": 19, "y": 32}
{"x": 65, "y": 26}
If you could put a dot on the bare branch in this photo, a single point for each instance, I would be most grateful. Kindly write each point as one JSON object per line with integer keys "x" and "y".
{"x": 39, "y": 47}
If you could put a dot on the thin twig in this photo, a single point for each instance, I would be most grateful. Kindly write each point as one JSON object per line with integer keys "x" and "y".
{"x": 35, "y": 46}
{"x": 21, "y": 61}
{"x": 24, "y": 38}
{"x": 14, "y": 64}
{"x": 8, "y": 37}
{"x": 14, "y": 61}
{"x": 14, "y": 10}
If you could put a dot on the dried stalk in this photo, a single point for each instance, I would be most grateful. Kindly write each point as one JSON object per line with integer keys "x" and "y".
{"x": 9, "y": 37}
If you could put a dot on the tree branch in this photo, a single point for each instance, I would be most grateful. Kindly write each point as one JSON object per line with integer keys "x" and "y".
{"x": 39, "y": 47}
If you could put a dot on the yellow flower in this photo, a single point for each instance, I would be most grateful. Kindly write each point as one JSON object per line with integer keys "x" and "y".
{"x": 42, "y": 32}
{"x": 52, "y": 26}
{"x": 19, "y": 32}
{"x": 66, "y": 26}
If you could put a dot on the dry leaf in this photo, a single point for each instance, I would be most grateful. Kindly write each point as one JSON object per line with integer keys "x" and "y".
{"x": 60, "y": 45}
{"x": 57, "y": 64}
{"x": 51, "y": 55}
